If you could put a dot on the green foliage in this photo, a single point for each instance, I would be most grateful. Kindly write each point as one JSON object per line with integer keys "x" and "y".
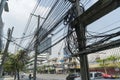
{"x": 9, "y": 64}
{"x": 109, "y": 61}
{"x": 112, "y": 58}
{"x": 102, "y": 62}
{"x": 15, "y": 61}
{"x": 1, "y": 53}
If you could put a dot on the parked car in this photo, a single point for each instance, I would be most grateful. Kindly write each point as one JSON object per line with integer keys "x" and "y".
{"x": 96, "y": 75}
{"x": 99, "y": 75}
{"x": 108, "y": 76}
{"x": 73, "y": 76}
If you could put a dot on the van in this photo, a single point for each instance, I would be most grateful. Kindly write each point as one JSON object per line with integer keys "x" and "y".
{"x": 96, "y": 75}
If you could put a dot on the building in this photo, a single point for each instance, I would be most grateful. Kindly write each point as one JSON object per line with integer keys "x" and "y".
{"x": 40, "y": 59}
{"x": 1, "y": 33}
{"x": 2, "y": 24}
{"x": 43, "y": 51}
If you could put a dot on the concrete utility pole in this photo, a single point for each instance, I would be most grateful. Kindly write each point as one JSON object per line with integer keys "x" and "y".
{"x": 80, "y": 32}
{"x": 36, "y": 48}
{"x": 36, "y": 45}
{"x": 5, "y": 53}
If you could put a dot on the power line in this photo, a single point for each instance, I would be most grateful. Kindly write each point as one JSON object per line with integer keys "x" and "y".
{"x": 103, "y": 33}
{"x": 105, "y": 39}
{"x": 13, "y": 42}
{"x": 55, "y": 43}
{"x": 51, "y": 29}
{"x": 29, "y": 20}
{"x": 46, "y": 18}
{"x": 109, "y": 25}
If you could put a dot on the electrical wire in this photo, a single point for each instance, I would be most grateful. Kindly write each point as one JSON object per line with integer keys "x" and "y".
{"x": 51, "y": 29}
{"x": 52, "y": 25}
{"x": 48, "y": 15}
{"x": 55, "y": 43}
{"x": 102, "y": 34}
{"x": 13, "y": 42}
{"x": 109, "y": 25}
{"x": 113, "y": 35}
{"x": 50, "y": 20}
{"x": 29, "y": 20}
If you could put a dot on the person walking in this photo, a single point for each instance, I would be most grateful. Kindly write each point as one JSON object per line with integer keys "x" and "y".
{"x": 30, "y": 76}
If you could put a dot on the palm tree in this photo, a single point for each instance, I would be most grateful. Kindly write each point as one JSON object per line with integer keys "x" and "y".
{"x": 9, "y": 65}
{"x": 21, "y": 59}
{"x": 16, "y": 63}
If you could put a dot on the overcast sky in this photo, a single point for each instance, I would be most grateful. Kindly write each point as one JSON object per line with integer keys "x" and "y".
{"x": 19, "y": 11}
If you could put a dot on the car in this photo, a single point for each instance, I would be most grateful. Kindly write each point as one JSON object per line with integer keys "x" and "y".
{"x": 100, "y": 75}
{"x": 108, "y": 76}
{"x": 73, "y": 76}
{"x": 96, "y": 75}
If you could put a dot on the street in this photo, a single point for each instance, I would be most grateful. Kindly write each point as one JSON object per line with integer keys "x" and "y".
{"x": 54, "y": 77}
{"x": 47, "y": 77}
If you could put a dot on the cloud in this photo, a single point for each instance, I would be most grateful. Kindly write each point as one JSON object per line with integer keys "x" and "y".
{"x": 19, "y": 11}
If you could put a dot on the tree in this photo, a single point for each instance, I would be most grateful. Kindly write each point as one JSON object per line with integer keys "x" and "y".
{"x": 16, "y": 63}
{"x": 113, "y": 59}
{"x": 21, "y": 59}
{"x": 102, "y": 63}
{"x": 9, "y": 63}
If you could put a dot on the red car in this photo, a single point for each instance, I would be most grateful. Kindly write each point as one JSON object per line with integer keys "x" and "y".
{"x": 100, "y": 75}
{"x": 106, "y": 75}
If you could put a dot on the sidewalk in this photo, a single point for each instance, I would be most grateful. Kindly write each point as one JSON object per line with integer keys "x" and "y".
{"x": 51, "y": 76}
{"x": 7, "y": 78}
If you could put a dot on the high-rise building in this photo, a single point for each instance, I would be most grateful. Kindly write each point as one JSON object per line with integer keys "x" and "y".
{"x": 1, "y": 30}
{"x": 44, "y": 46}
{"x": 1, "y": 33}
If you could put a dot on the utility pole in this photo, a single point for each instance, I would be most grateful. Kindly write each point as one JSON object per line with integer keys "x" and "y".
{"x": 36, "y": 45}
{"x": 80, "y": 32}
{"x": 36, "y": 48}
{"x": 5, "y": 53}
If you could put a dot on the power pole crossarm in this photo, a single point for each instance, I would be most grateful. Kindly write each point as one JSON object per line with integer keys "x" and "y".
{"x": 110, "y": 45}
{"x": 98, "y": 10}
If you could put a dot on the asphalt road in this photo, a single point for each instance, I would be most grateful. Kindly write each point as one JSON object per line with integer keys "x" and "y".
{"x": 54, "y": 77}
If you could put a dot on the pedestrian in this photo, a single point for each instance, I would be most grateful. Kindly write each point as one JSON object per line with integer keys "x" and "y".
{"x": 30, "y": 76}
